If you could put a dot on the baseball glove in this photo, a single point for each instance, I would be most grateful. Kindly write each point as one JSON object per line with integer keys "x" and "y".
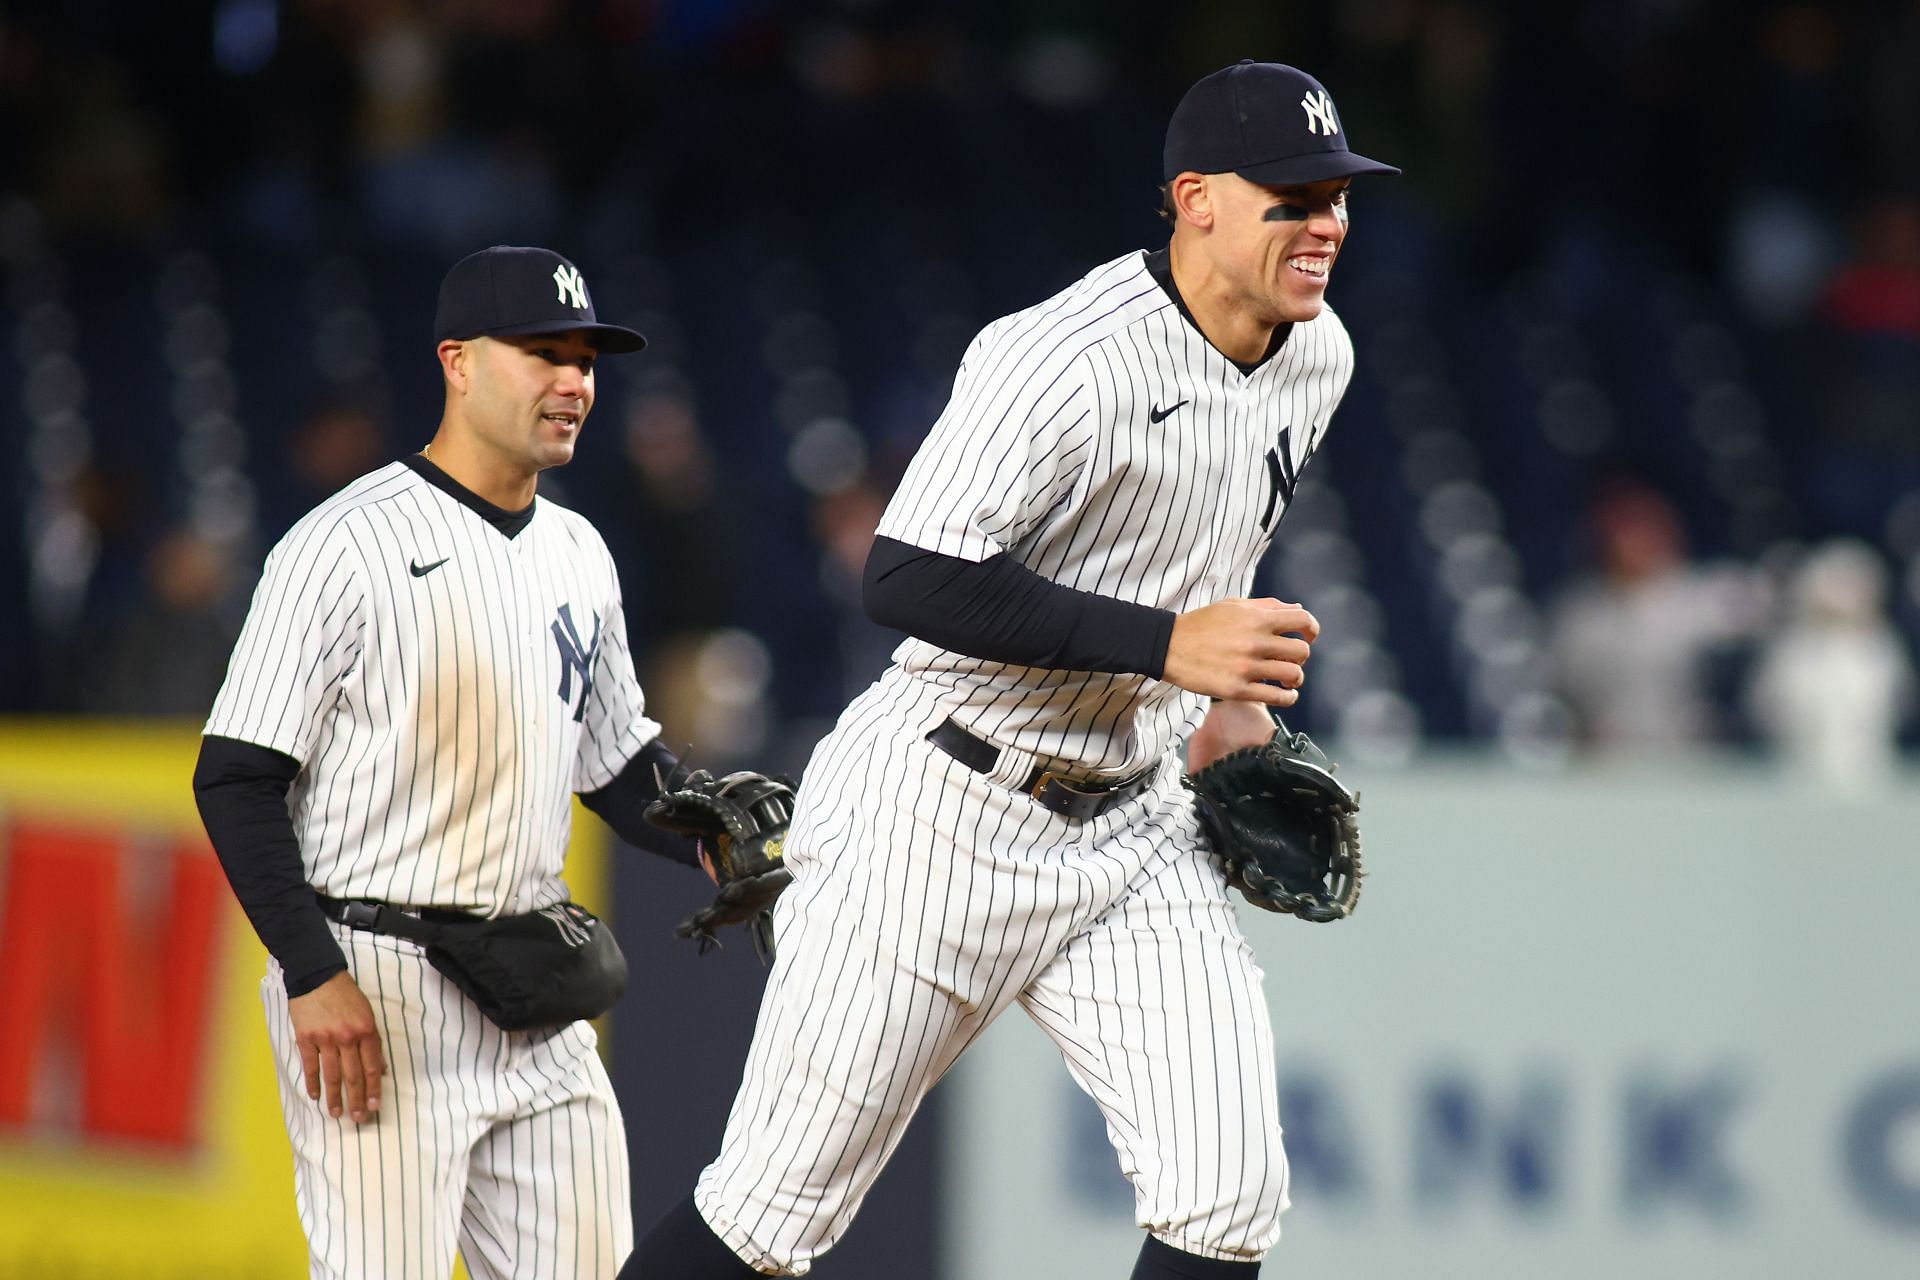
{"x": 1284, "y": 826}
{"x": 740, "y": 822}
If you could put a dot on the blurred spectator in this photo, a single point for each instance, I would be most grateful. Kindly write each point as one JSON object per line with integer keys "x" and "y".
{"x": 1804, "y": 155}
{"x": 450, "y": 169}
{"x": 1878, "y": 292}
{"x": 680, "y": 512}
{"x": 168, "y": 656}
{"x": 336, "y": 445}
{"x": 91, "y": 571}
{"x": 712, "y": 692}
{"x": 1630, "y": 636}
{"x": 336, "y": 441}
{"x": 106, "y": 168}
{"x": 1860, "y": 376}
{"x": 1835, "y": 683}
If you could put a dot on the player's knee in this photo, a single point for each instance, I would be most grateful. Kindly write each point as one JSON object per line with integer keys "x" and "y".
{"x": 1241, "y": 1220}
{"x": 1261, "y": 1202}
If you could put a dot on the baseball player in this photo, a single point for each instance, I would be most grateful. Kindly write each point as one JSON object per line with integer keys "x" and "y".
{"x": 1000, "y": 820}
{"x": 434, "y": 663}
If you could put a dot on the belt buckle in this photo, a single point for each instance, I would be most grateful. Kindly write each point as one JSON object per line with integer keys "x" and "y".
{"x": 359, "y": 915}
{"x": 1073, "y": 788}
{"x": 1052, "y": 777}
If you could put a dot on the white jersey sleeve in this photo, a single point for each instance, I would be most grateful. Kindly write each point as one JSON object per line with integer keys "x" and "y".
{"x": 304, "y": 634}
{"x": 1005, "y": 452}
{"x": 615, "y": 725}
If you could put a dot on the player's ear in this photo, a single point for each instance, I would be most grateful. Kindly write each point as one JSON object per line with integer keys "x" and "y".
{"x": 1192, "y": 199}
{"x": 456, "y": 360}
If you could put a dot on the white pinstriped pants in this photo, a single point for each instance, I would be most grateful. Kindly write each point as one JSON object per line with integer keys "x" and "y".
{"x": 926, "y": 900}
{"x": 506, "y": 1144}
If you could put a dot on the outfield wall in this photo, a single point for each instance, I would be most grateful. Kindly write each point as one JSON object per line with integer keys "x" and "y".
{"x": 140, "y": 1127}
{"x": 1660, "y": 1023}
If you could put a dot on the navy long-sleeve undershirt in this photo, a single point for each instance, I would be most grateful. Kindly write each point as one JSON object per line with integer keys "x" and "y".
{"x": 999, "y": 610}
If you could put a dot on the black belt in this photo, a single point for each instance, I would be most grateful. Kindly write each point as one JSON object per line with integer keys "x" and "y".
{"x": 415, "y": 923}
{"x": 1070, "y": 799}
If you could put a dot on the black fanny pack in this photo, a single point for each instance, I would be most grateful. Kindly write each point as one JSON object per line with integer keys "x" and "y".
{"x": 546, "y": 968}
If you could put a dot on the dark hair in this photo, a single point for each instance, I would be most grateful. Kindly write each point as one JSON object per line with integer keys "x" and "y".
{"x": 1167, "y": 211}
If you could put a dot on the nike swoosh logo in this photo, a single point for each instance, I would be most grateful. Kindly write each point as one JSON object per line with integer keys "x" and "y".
{"x": 422, "y": 570}
{"x": 1160, "y": 415}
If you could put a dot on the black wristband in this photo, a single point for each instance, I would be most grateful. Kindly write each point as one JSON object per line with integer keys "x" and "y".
{"x": 622, "y": 803}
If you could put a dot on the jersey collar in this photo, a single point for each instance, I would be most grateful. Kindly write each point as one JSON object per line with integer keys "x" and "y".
{"x": 1160, "y": 267}
{"x": 507, "y": 522}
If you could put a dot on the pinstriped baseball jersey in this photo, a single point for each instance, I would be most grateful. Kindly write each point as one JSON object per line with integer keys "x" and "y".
{"x": 446, "y": 688}
{"x": 1102, "y": 441}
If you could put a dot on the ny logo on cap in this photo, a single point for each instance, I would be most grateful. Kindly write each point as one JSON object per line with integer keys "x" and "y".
{"x": 1320, "y": 114}
{"x": 571, "y": 282}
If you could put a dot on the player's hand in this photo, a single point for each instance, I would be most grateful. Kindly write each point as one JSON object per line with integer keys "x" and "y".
{"x": 1229, "y": 727}
{"x": 339, "y": 1047}
{"x": 1242, "y": 650}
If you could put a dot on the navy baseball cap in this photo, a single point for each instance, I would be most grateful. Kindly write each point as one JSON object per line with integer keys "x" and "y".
{"x": 1268, "y": 122}
{"x": 511, "y": 289}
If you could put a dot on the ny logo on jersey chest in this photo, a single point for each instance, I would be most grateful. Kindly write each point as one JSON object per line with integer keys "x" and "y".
{"x": 1282, "y": 477}
{"x": 575, "y": 658}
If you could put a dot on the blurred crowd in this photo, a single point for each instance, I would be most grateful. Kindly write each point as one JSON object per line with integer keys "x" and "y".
{"x": 1635, "y": 438}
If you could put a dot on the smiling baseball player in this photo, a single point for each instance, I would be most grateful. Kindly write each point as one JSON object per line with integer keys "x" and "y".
{"x": 1000, "y": 819}
{"x": 434, "y": 664}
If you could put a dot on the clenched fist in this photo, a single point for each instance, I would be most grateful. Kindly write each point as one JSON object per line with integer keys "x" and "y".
{"x": 1244, "y": 650}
